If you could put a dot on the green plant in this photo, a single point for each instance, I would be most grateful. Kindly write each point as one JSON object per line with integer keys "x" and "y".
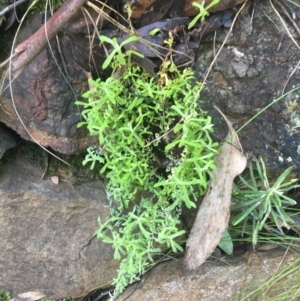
{"x": 156, "y": 151}
{"x": 259, "y": 201}
{"x": 203, "y": 12}
{"x": 116, "y": 53}
{"x": 4, "y": 296}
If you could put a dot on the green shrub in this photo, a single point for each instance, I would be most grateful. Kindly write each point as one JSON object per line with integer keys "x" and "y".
{"x": 258, "y": 201}
{"x": 154, "y": 140}
{"x": 4, "y": 296}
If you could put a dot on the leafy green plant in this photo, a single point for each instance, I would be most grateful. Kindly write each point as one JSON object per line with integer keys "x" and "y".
{"x": 203, "y": 12}
{"x": 259, "y": 201}
{"x": 157, "y": 154}
{"x": 4, "y": 296}
{"x": 117, "y": 53}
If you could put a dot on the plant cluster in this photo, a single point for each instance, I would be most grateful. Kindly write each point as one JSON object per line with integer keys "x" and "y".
{"x": 154, "y": 143}
{"x": 4, "y": 296}
{"x": 259, "y": 202}
{"x": 156, "y": 152}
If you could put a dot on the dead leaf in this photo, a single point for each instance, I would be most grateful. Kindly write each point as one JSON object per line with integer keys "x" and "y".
{"x": 55, "y": 180}
{"x": 213, "y": 215}
{"x": 28, "y": 296}
{"x": 155, "y": 12}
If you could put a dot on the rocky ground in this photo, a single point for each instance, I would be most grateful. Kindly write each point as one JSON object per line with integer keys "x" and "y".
{"x": 47, "y": 227}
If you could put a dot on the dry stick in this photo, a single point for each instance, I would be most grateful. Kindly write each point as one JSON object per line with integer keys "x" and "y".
{"x": 222, "y": 46}
{"x": 36, "y": 43}
{"x": 289, "y": 17}
{"x": 284, "y": 25}
{"x": 11, "y": 7}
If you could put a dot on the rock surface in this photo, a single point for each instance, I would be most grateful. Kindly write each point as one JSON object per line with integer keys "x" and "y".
{"x": 46, "y": 228}
{"x": 44, "y": 94}
{"x": 7, "y": 139}
{"x": 46, "y": 232}
{"x": 257, "y": 65}
{"x": 229, "y": 279}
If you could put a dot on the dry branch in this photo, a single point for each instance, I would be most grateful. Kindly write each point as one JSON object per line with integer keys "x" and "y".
{"x": 36, "y": 43}
{"x": 11, "y": 7}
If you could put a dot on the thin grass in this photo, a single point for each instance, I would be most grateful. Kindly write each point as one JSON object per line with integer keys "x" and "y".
{"x": 283, "y": 285}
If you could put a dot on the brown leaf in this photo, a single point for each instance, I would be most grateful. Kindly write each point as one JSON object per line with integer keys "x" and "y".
{"x": 213, "y": 215}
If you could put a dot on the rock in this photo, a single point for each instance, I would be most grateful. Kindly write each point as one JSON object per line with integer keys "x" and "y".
{"x": 228, "y": 279}
{"x": 251, "y": 71}
{"x": 47, "y": 232}
{"x": 183, "y": 8}
{"x": 45, "y": 92}
{"x": 8, "y": 139}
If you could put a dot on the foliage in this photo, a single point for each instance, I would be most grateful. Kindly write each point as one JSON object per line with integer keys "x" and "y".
{"x": 203, "y": 12}
{"x": 259, "y": 201}
{"x": 4, "y": 296}
{"x": 226, "y": 243}
{"x": 154, "y": 145}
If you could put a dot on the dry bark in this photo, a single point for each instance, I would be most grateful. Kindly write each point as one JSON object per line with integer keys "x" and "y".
{"x": 213, "y": 215}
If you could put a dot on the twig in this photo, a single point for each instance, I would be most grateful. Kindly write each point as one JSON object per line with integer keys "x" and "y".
{"x": 288, "y": 15}
{"x": 36, "y": 43}
{"x": 11, "y": 7}
{"x": 222, "y": 46}
{"x": 284, "y": 25}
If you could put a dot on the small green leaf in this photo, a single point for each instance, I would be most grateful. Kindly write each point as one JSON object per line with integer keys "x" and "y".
{"x": 154, "y": 31}
{"x": 245, "y": 214}
{"x": 226, "y": 243}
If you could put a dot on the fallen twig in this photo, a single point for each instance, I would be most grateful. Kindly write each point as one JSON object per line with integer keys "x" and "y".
{"x": 11, "y": 7}
{"x": 36, "y": 43}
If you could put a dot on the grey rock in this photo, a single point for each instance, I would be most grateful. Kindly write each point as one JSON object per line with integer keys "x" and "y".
{"x": 231, "y": 278}
{"x": 7, "y": 139}
{"x": 243, "y": 85}
{"x": 46, "y": 234}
